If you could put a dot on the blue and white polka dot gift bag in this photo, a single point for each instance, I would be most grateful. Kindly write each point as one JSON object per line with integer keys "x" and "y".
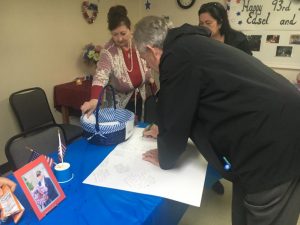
{"x": 108, "y": 126}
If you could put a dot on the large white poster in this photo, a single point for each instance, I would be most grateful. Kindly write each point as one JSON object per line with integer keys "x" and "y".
{"x": 125, "y": 169}
{"x": 272, "y": 28}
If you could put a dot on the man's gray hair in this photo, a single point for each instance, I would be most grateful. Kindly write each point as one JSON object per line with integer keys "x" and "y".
{"x": 151, "y": 30}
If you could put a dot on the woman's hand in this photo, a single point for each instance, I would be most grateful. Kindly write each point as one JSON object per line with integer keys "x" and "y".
{"x": 151, "y": 131}
{"x": 151, "y": 80}
{"x": 89, "y": 107}
{"x": 5, "y": 181}
{"x": 151, "y": 156}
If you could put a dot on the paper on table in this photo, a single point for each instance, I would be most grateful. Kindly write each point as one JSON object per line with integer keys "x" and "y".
{"x": 125, "y": 169}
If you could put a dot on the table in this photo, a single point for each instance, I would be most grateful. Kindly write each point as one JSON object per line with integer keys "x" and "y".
{"x": 70, "y": 96}
{"x": 89, "y": 205}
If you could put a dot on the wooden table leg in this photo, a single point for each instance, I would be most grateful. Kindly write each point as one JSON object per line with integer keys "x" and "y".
{"x": 65, "y": 114}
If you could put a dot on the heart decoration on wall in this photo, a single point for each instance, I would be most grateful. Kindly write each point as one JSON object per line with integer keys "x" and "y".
{"x": 89, "y": 9}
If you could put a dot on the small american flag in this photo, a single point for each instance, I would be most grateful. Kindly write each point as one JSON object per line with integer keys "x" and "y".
{"x": 63, "y": 152}
{"x": 61, "y": 149}
{"x": 35, "y": 155}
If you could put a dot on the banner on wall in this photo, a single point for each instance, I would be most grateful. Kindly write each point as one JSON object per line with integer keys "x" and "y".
{"x": 264, "y": 14}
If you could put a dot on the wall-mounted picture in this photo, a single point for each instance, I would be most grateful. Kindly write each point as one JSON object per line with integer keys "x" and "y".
{"x": 272, "y": 38}
{"x": 40, "y": 186}
{"x": 284, "y": 51}
{"x": 254, "y": 42}
{"x": 295, "y": 39}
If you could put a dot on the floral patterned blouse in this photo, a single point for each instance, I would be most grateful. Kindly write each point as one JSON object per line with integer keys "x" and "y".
{"x": 121, "y": 73}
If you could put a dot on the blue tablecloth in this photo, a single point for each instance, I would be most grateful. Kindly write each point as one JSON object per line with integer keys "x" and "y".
{"x": 89, "y": 205}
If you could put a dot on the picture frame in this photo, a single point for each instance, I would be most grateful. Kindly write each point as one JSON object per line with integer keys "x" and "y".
{"x": 39, "y": 186}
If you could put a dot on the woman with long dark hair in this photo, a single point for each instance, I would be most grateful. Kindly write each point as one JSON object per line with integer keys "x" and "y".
{"x": 214, "y": 16}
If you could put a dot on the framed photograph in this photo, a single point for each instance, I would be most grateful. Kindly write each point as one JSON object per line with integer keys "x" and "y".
{"x": 295, "y": 39}
{"x": 40, "y": 186}
{"x": 284, "y": 51}
{"x": 272, "y": 38}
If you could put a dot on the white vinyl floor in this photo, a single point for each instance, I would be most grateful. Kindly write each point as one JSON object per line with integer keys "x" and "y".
{"x": 215, "y": 209}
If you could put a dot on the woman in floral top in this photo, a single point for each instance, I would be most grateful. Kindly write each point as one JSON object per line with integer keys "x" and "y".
{"x": 121, "y": 66}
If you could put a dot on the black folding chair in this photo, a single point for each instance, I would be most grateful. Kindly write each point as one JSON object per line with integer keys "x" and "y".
{"x": 5, "y": 168}
{"x": 44, "y": 140}
{"x": 32, "y": 110}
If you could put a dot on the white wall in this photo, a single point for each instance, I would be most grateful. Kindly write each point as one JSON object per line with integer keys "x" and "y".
{"x": 41, "y": 44}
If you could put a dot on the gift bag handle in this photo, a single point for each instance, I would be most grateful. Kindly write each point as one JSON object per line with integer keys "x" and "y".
{"x": 99, "y": 103}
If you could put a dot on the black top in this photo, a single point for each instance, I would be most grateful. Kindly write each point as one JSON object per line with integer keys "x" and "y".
{"x": 238, "y": 39}
{"x": 230, "y": 104}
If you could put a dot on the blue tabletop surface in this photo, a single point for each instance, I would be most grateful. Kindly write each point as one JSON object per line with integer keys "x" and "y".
{"x": 88, "y": 205}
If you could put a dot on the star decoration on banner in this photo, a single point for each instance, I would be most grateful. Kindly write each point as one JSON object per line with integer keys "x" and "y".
{"x": 147, "y": 4}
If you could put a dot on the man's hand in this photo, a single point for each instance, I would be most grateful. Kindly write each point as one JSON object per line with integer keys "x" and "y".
{"x": 151, "y": 156}
{"x": 12, "y": 185}
{"x": 151, "y": 131}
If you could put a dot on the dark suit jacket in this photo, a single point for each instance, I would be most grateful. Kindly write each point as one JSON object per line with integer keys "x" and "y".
{"x": 52, "y": 193}
{"x": 231, "y": 105}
